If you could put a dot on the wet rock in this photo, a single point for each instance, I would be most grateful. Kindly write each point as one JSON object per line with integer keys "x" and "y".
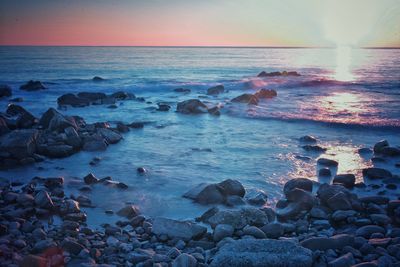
{"x": 191, "y": 106}
{"x": 184, "y": 260}
{"x": 33, "y": 261}
{"x": 184, "y": 230}
{"x": 56, "y": 151}
{"x": 232, "y": 187}
{"x": 69, "y": 206}
{"x": 72, "y": 138}
{"x": 347, "y": 180}
{"x": 246, "y": 98}
{"x": 72, "y": 100}
{"x": 341, "y": 215}
{"x": 182, "y": 90}
{"x": 278, "y": 74}
{"x": 5, "y": 91}
{"x": 376, "y": 173}
{"x": 121, "y": 95}
{"x": 24, "y": 119}
{"x": 335, "y": 197}
{"x": 216, "y": 90}
{"x": 390, "y": 151}
{"x": 308, "y": 139}
{"x": 163, "y": 107}
{"x": 109, "y": 135}
{"x": 379, "y": 200}
{"x": 365, "y": 150}
{"x": 97, "y": 144}
{"x": 324, "y": 172}
{"x": 258, "y": 199}
{"x": 97, "y": 79}
{"x": 314, "y": 148}
{"x": 32, "y": 86}
{"x": 72, "y": 247}
{"x": 19, "y": 143}
{"x": 378, "y": 147}
{"x": 3, "y": 126}
{"x": 267, "y": 252}
{"x": 214, "y": 111}
{"x": 254, "y": 231}
{"x": 266, "y": 93}
{"x": 325, "y": 243}
{"x": 43, "y": 200}
{"x": 128, "y": 211}
{"x": 299, "y": 183}
{"x": 327, "y": 162}
{"x": 221, "y": 231}
{"x": 90, "y": 179}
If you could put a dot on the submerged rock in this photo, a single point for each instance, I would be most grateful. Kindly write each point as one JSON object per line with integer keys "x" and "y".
{"x": 266, "y": 93}
{"x": 97, "y": 79}
{"x": 246, "y": 98}
{"x": 267, "y": 252}
{"x": 277, "y": 74}
{"x": 376, "y": 173}
{"x": 5, "y": 91}
{"x": 308, "y": 139}
{"x": 32, "y": 86}
{"x": 191, "y": 106}
{"x": 216, "y": 90}
{"x": 182, "y": 90}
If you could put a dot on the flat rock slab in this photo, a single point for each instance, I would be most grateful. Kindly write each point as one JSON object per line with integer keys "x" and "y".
{"x": 265, "y": 253}
{"x": 178, "y": 229}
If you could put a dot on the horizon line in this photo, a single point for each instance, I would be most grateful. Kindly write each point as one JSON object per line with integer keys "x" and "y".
{"x": 205, "y": 46}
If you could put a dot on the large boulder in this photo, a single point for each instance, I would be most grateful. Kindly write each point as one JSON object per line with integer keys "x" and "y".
{"x": 19, "y": 143}
{"x": 73, "y": 138}
{"x": 24, "y": 119}
{"x": 56, "y": 151}
{"x": 378, "y": 147}
{"x": 184, "y": 230}
{"x": 300, "y": 183}
{"x": 191, "y": 106}
{"x": 336, "y": 197}
{"x": 262, "y": 253}
{"x": 376, "y": 173}
{"x": 216, "y": 90}
{"x": 266, "y": 93}
{"x": 32, "y": 86}
{"x": 5, "y": 90}
{"x": 246, "y": 98}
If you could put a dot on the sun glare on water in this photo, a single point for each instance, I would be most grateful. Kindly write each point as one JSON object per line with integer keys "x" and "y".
{"x": 343, "y": 62}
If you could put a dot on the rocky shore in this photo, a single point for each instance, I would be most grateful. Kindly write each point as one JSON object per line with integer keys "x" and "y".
{"x": 315, "y": 224}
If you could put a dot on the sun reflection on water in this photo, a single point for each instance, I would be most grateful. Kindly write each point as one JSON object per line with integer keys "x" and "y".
{"x": 343, "y": 63}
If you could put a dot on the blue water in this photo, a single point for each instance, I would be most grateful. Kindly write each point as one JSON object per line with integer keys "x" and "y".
{"x": 346, "y": 104}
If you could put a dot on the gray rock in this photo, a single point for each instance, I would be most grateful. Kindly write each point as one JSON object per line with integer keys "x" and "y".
{"x": 95, "y": 145}
{"x": 33, "y": 261}
{"x": 90, "y": 179}
{"x": 347, "y": 260}
{"x": 341, "y": 215}
{"x": 368, "y": 230}
{"x": 32, "y": 86}
{"x": 232, "y": 187}
{"x": 266, "y": 93}
{"x": 56, "y": 151}
{"x": 327, "y": 162}
{"x": 273, "y": 230}
{"x": 258, "y": 253}
{"x": 300, "y": 183}
{"x": 185, "y": 260}
{"x": 43, "y": 200}
{"x": 216, "y": 90}
{"x": 238, "y": 218}
{"x": 206, "y": 194}
{"x": 191, "y": 106}
{"x": 325, "y": 243}
{"x": 73, "y": 138}
{"x": 246, "y": 98}
{"x": 347, "y": 180}
{"x": 376, "y": 173}
{"x": 254, "y": 231}
{"x": 19, "y": 143}
{"x": 221, "y": 231}
{"x": 184, "y": 230}
{"x": 380, "y": 145}
{"x": 72, "y": 247}
{"x": 128, "y": 211}
{"x": 109, "y": 135}
{"x": 5, "y": 90}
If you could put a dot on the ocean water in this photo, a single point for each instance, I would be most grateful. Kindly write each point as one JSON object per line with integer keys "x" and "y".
{"x": 347, "y": 98}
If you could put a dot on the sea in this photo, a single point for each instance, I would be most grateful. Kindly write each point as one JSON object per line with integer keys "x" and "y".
{"x": 347, "y": 98}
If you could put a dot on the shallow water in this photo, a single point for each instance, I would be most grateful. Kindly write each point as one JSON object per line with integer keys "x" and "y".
{"x": 345, "y": 107}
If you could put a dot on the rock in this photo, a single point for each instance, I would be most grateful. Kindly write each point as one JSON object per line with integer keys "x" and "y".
{"x": 43, "y": 200}
{"x": 324, "y": 172}
{"x": 3, "y": 126}
{"x": 318, "y": 213}
{"x": 182, "y": 90}
{"x": 308, "y": 139}
{"x": 379, "y": 200}
{"x": 347, "y": 260}
{"x": 376, "y": 173}
{"x": 368, "y": 230}
{"x": 214, "y": 111}
{"x": 324, "y": 243}
{"x": 327, "y": 162}
{"x": 69, "y": 206}
{"x": 5, "y": 91}
{"x": 300, "y": 183}
{"x": 266, "y": 93}
{"x": 98, "y": 144}
{"x": 232, "y": 187}
{"x": 273, "y": 230}
{"x": 326, "y": 192}
{"x": 191, "y": 106}
{"x": 221, "y": 231}
{"x": 92, "y": 96}
{"x": 238, "y": 218}
{"x": 32, "y": 86}
{"x": 216, "y": 90}
{"x": 47, "y": 117}
{"x": 246, "y": 98}
{"x": 341, "y": 215}
{"x": 267, "y": 252}
{"x": 347, "y": 180}
{"x": 97, "y": 79}
{"x": 378, "y": 147}
{"x": 73, "y": 138}
{"x": 128, "y": 211}
{"x": 24, "y": 118}
{"x": 339, "y": 202}
{"x": 390, "y": 151}
{"x": 206, "y": 194}
{"x": 72, "y": 100}
{"x": 163, "y": 107}
{"x": 19, "y": 143}
{"x": 277, "y": 74}
{"x": 258, "y": 200}
{"x": 121, "y": 95}
{"x": 184, "y": 260}
{"x": 109, "y": 135}
{"x": 90, "y": 179}
{"x": 33, "y": 261}
{"x": 254, "y": 231}
{"x": 184, "y": 230}
{"x": 122, "y": 128}
{"x": 72, "y": 247}
{"x": 136, "y": 125}
{"x": 56, "y": 151}
{"x": 314, "y": 148}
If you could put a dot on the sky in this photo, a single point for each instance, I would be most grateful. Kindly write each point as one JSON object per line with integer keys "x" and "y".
{"x": 288, "y": 23}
